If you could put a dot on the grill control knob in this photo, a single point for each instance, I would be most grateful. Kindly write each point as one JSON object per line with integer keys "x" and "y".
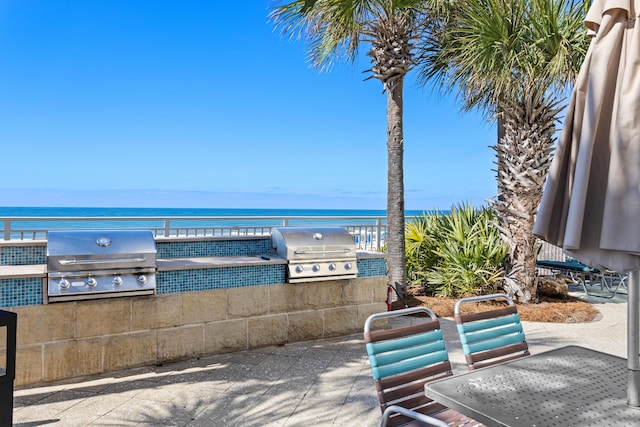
{"x": 332, "y": 266}
{"x": 348, "y": 266}
{"x": 117, "y": 281}
{"x": 315, "y": 267}
{"x": 299, "y": 269}
{"x": 64, "y": 284}
{"x": 91, "y": 282}
{"x": 142, "y": 279}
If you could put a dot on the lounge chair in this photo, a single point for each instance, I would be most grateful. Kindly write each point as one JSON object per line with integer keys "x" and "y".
{"x": 578, "y": 272}
{"x": 492, "y": 336}
{"x": 403, "y": 360}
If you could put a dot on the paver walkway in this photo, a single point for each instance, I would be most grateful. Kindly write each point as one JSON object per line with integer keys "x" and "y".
{"x": 324, "y": 382}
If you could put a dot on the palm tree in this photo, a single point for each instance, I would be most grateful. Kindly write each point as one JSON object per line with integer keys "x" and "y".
{"x": 511, "y": 59}
{"x": 335, "y": 29}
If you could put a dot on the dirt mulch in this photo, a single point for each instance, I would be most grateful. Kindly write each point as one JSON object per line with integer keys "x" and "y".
{"x": 565, "y": 310}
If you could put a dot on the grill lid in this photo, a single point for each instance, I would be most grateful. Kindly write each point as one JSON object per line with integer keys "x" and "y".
{"x": 100, "y": 249}
{"x": 297, "y": 243}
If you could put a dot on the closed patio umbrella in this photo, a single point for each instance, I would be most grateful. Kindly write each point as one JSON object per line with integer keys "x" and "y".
{"x": 591, "y": 203}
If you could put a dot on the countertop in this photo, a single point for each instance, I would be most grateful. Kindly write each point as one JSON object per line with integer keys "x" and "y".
{"x": 23, "y": 271}
{"x": 216, "y": 262}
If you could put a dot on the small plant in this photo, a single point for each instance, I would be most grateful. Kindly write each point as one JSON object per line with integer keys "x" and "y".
{"x": 459, "y": 254}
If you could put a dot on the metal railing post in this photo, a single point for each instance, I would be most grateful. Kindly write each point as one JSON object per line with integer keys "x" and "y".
{"x": 379, "y": 234}
{"x": 7, "y": 229}
{"x": 167, "y": 228}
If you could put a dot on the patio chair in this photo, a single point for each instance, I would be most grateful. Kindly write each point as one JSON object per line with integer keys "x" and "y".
{"x": 403, "y": 360}
{"x": 422, "y": 420}
{"x": 492, "y": 336}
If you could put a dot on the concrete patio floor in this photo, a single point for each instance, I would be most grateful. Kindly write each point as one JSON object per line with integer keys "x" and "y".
{"x": 323, "y": 382}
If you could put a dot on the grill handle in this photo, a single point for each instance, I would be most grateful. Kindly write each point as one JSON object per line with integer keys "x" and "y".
{"x": 98, "y": 261}
{"x": 341, "y": 251}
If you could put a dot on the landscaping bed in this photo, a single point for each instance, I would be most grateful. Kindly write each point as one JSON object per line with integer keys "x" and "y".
{"x": 557, "y": 310}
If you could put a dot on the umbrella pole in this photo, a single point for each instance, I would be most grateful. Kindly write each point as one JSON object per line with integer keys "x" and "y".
{"x": 633, "y": 339}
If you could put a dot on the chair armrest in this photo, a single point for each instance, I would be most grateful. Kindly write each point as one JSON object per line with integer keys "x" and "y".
{"x": 427, "y": 420}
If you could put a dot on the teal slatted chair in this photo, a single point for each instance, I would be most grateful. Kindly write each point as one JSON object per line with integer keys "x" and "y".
{"x": 492, "y": 336}
{"x": 403, "y": 360}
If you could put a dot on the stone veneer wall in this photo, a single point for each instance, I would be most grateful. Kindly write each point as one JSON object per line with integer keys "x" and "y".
{"x": 70, "y": 339}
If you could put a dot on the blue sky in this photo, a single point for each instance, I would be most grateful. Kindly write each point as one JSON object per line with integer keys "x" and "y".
{"x": 204, "y": 104}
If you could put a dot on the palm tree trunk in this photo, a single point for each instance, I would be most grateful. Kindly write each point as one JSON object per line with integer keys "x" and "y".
{"x": 499, "y": 166}
{"x": 396, "y": 257}
{"x": 523, "y": 157}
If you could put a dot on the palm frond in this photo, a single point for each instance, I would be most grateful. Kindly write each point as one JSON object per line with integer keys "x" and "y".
{"x": 490, "y": 50}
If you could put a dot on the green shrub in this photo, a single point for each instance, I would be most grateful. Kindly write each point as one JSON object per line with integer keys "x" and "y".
{"x": 456, "y": 255}
{"x": 421, "y": 241}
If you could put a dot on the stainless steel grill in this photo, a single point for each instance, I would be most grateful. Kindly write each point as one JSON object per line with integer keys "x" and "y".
{"x": 92, "y": 264}
{"x": 315, "y": 254}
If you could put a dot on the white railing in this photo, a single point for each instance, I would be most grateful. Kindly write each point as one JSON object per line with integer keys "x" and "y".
{"x": 550, "y": 252}
{"x": 368, "y": 232}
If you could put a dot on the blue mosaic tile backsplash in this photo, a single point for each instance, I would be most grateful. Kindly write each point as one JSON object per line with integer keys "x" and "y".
{"x": 168, "y": 282}
{"x": 212, "y": 248}
{"x": 15, "y": 292}
{"x": 370, "y": 267}
{"x": 23, "y": 255}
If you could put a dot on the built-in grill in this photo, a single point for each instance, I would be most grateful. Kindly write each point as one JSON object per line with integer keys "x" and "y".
{"x": 92, "y": 264}
{"x": 315, "y": 254}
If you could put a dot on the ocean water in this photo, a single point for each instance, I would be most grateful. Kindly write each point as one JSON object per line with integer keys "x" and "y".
{"x": 188, "y": 217}
{"x": 182, "y": 212}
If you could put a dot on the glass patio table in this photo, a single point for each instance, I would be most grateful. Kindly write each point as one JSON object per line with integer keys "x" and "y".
{"x": 567, "y": 386}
